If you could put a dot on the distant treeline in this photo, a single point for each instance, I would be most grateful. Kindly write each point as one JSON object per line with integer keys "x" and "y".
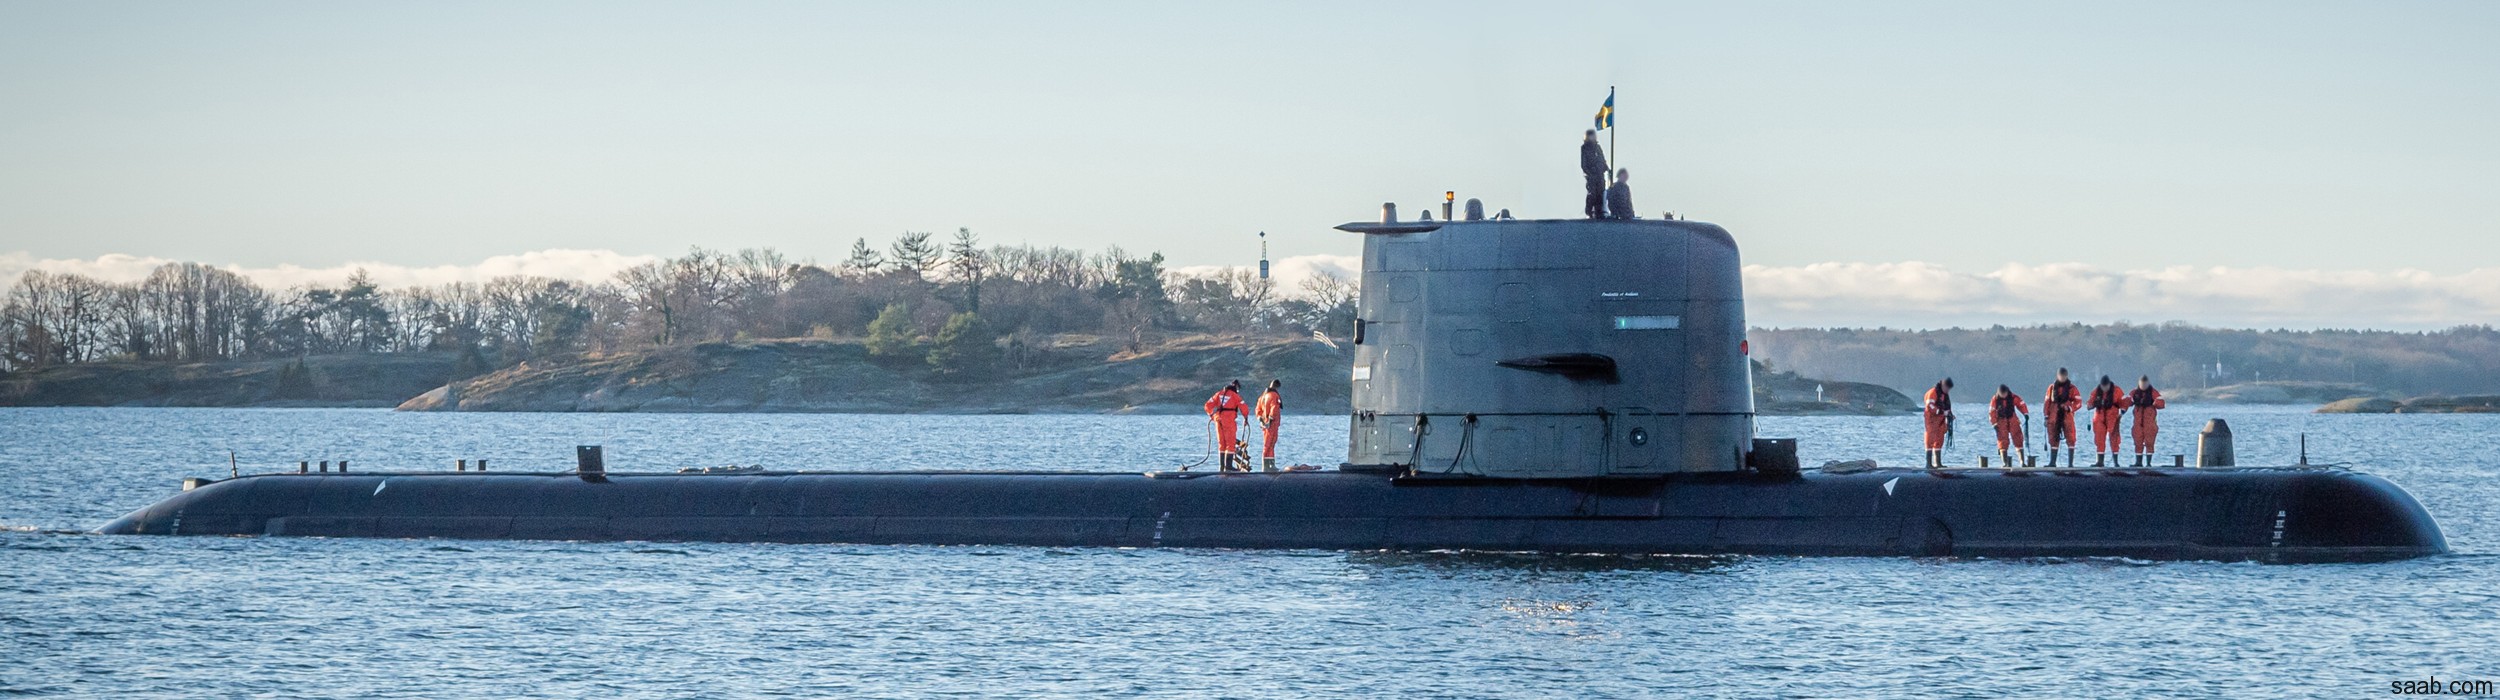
{"x": 194, "y": 312}
{"x": 2460, "y": 360}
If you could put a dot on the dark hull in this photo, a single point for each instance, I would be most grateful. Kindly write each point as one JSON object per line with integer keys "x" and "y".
{"x": 2273, "y": 515}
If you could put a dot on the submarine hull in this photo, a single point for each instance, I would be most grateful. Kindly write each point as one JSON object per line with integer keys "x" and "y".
{"x": 2269, "y": 515}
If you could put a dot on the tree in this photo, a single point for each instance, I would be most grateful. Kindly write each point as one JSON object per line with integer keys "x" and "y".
{"x": 1326, "y": 306}
{"x": 559, "y": 321}
{"x": 863, "y": 260}
{"x": 891, "y": 335}
{"x": 914, "y": 253}
{"x": 966, "y": 348}
{"x": 1137, "y": 279}
{"x": 969, "y": 265}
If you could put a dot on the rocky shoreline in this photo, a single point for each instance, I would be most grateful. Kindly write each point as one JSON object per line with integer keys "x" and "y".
{"x": 325, "y": 381}
{"x": 822, "y": 376}
{"x": 2419, "y": 404}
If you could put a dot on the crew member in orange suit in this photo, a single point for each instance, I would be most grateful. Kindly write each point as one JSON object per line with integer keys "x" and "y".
{"x": 1939, "y": 411}
{"x": 2002, "y": 410}
{"x": 1225, "y": 409}
{"x": 2058, "y": 411}
{"x": 2148, "y": 402}
{"x": 1271, "y": 415}
{"x": 2108, "y": 403}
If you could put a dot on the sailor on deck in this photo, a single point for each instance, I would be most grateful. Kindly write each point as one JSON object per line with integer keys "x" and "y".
{"x": 1271, "y": 415}
{"x": 2002, "y": 413}
{"x": 2108, "y": 403}
{"x": 2148, "y": 402}
{"x": 2058, "y": 410}
{"x": 1225, "y": 408}
{"x": 1939, "y": 415}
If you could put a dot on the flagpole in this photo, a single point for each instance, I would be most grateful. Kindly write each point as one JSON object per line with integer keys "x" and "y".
{"x": 1612, "y": 156}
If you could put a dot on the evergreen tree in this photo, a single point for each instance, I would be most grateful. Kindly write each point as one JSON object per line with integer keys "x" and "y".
{"x": 914, "y": 253}
{"x": 863, "y": 259}
{"x": 966, "y": 348}
{"x": 970, "y": 266}
{"x": 890, "y": 336}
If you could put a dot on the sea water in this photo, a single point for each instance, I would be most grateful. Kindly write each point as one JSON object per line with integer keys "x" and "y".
{"x": 98, "y": 616}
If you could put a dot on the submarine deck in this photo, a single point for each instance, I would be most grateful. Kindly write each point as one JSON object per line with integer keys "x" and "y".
{"x": 2262, "y": 514}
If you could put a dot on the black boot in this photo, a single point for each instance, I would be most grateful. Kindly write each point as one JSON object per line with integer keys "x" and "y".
{"x": 2070, "y": 456}
{"x": 2100, "y": 459}
{"x": 2052, "y": 458}
{"x": 2009, "y": 461}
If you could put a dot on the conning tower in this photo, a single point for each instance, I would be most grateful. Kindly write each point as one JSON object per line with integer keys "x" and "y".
{"x": 1550, "y": 349}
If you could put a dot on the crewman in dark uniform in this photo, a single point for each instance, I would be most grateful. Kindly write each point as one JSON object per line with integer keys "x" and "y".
{"x": 1593, "y": 167}
{"x": 1619, "y": 197}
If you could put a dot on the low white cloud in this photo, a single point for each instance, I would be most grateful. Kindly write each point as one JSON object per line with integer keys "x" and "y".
{"x": 1925, "y": 295}
{"x": 584, "y": 265}
{"x": 1289, "y": 273}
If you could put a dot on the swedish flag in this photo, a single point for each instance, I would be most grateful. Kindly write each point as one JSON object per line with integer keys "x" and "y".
{"x": 1606, "y": 112}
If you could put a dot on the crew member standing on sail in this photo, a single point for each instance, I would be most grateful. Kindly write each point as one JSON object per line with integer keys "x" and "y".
{"x": 2058, "y": 409}
{"x": 1619, "y": 197}
{"x": 2147, "y": 401}
{"x": 2001, "y": 413}
{"x": 1593, "y": 168}
{"x": 1225, "y": 409}
{"x": 2108, "y": 403}
{"x": 1271, "y": 415}
{"x": 1939, "y": 412}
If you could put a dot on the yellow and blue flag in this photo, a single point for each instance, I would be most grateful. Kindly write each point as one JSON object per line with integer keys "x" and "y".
{"x": 1606, "y": 112}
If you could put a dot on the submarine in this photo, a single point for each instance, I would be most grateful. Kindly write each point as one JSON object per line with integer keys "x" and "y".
{"x": 1563, "y": 386}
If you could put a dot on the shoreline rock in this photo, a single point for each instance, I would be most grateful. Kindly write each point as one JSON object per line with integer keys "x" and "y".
{"x": 353, "y": 380}
{"x": 2418, "y": 404}
{"x": 821, "y": 376}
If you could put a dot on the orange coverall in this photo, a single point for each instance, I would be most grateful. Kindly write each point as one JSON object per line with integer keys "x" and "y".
{"x": 2058, "y": 410}
{"x": 1939, "y": 416}
{"x": 1225, "y": 409}
{"x": 2147, "y": 402}
{"x": 2108, "y": 403}
{"x": 2001, "y": 412}
{"x": 1271, "y": 415}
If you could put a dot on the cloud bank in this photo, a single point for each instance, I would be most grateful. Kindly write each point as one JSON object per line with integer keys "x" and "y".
{"x": 1837, "y": 294}
{"x": 1924, "y": 295}
{"x": 1290, "y": 273}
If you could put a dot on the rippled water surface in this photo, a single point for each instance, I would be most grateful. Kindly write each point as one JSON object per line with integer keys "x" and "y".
{"x": 88, "y": 615}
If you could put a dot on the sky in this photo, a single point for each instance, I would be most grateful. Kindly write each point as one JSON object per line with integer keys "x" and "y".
{"x": 1904, "y": 164}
